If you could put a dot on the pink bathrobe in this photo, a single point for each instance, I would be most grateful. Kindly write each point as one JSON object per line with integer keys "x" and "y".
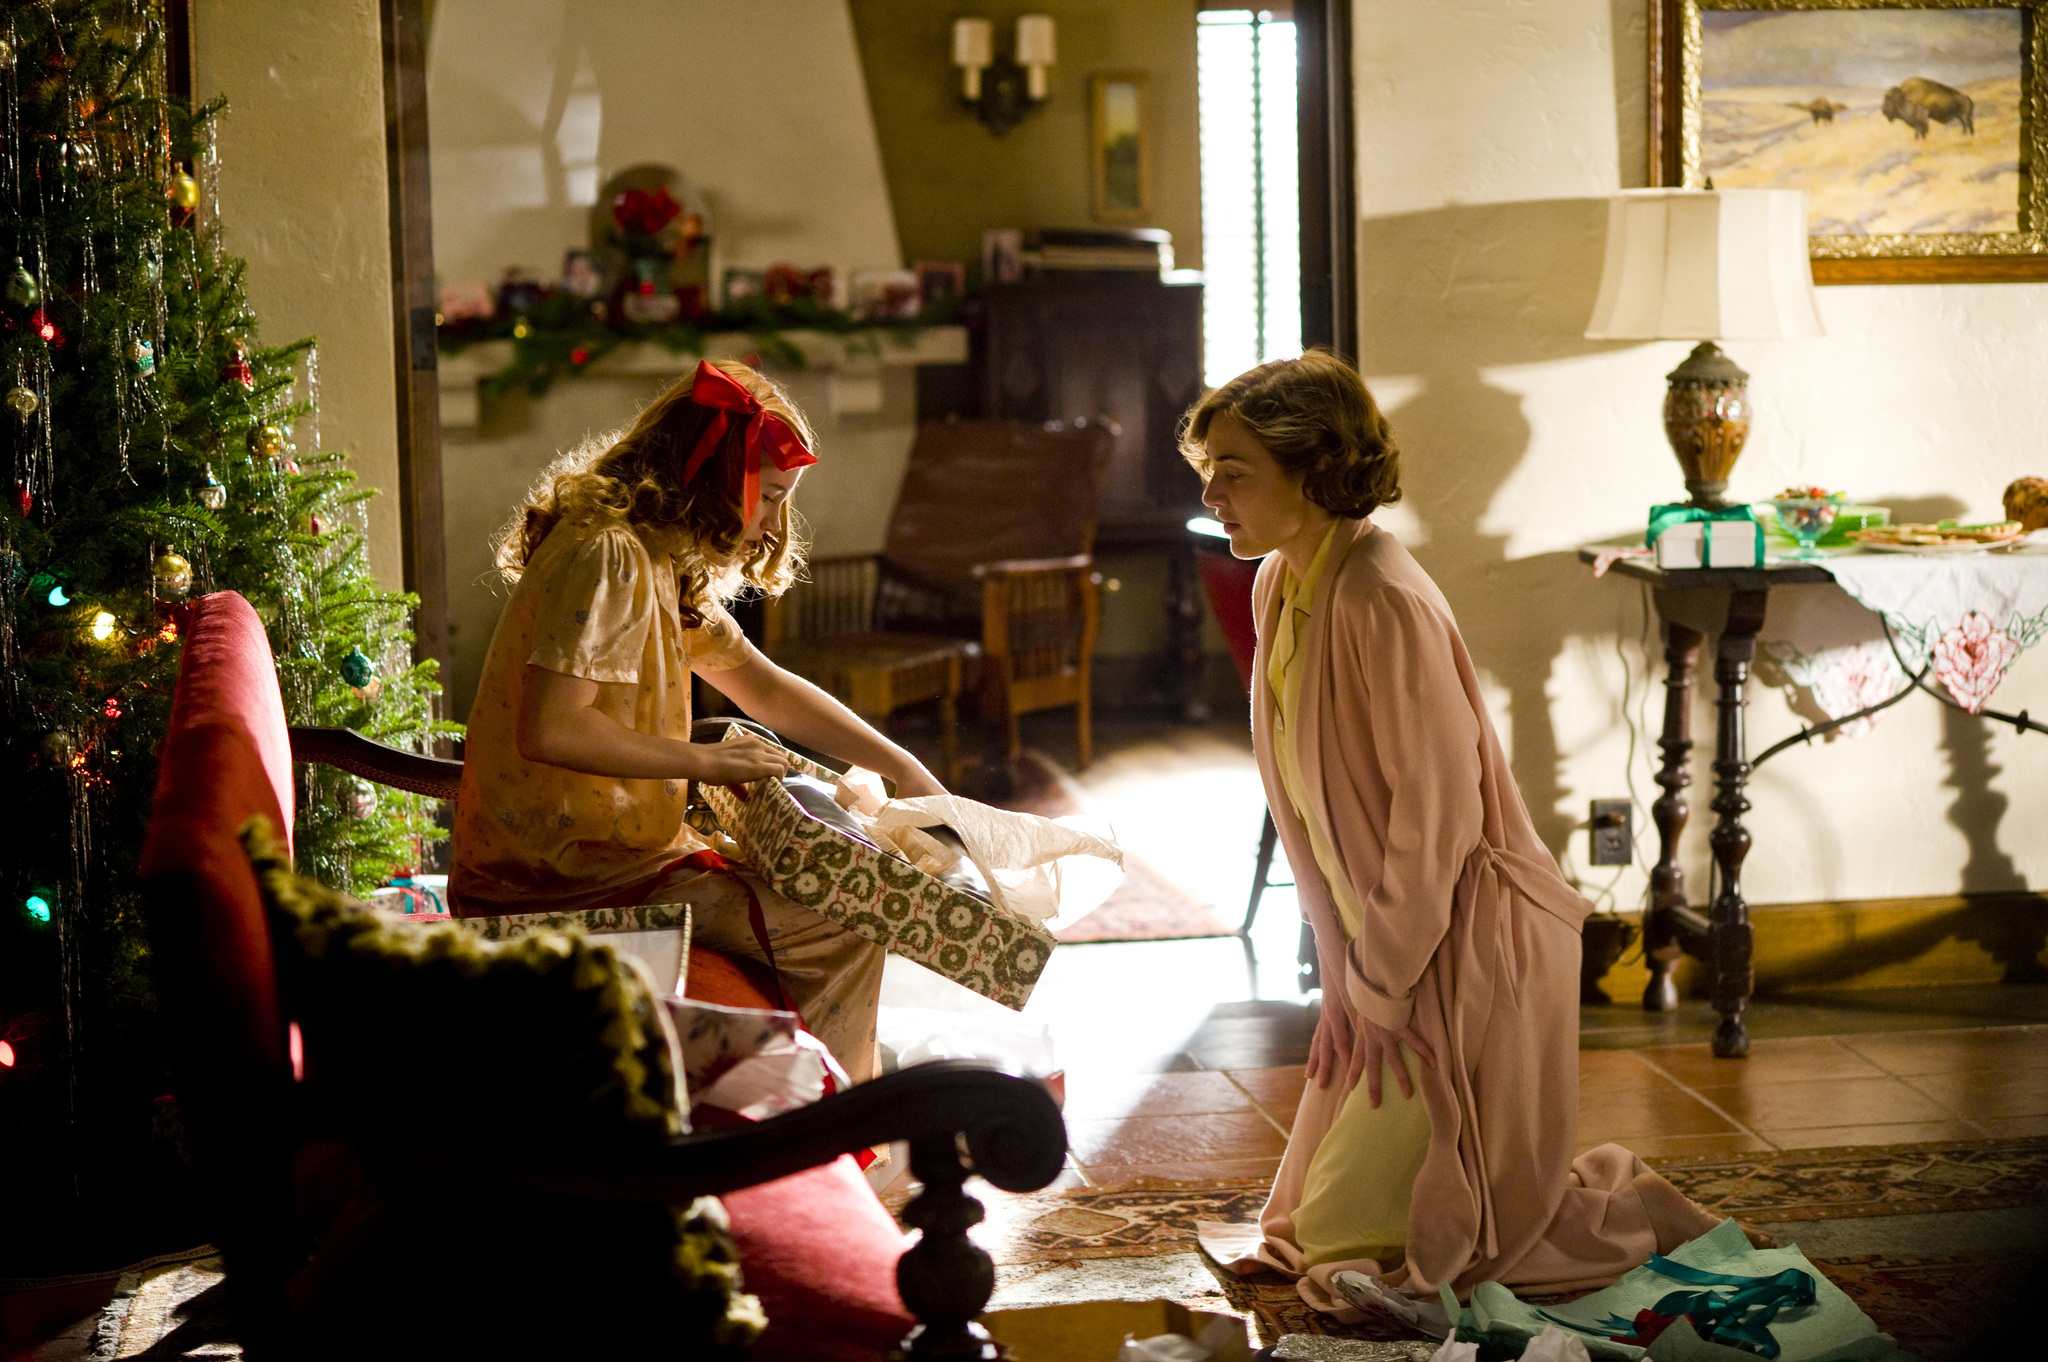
{"x": 1470, "y": 935}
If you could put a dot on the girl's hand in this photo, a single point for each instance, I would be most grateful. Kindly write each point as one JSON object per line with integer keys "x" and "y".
{"x": 917, "y": 783}
{"x": 735, "y": 761}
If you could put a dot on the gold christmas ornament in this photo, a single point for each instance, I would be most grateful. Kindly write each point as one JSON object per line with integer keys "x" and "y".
{"x": 22, "y": 402}
{"x": 172, "y": 576}
{"x": 267, "y": 440}
{"x": 184, "y": 191}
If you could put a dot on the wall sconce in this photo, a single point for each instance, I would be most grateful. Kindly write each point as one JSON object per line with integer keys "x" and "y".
{"x": 997, "y": 90}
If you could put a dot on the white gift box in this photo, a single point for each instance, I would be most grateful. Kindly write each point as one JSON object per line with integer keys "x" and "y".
{"x": 1734, "y": 543}
{"x": 1711, "y": 543}
{"x": 1682, "y": 546}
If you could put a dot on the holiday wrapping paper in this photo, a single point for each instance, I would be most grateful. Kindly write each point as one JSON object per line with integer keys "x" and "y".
{"x": 883, "y": 898}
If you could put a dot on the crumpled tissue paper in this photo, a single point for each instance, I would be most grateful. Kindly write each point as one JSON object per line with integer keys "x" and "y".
{"x": 1052, "y": 871}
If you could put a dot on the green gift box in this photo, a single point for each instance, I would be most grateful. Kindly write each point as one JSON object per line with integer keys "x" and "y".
{"x": 971, "y": 940}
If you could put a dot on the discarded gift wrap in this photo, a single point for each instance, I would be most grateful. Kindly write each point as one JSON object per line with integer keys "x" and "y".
{"x": 1769, "y": 1303}
{"x": 811, "y": 857}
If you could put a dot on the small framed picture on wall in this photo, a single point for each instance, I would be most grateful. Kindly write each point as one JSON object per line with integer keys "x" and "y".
{"x": 1120, "y": 145}
{"x": 939, "y": 280}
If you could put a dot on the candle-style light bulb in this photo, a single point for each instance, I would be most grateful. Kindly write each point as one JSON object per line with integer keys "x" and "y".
{"x": 1035, "y": 50}
{"x": 973, "y": 51}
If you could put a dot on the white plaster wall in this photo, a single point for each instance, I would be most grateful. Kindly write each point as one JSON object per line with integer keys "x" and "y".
{"x": 1489, "y": 132}
{"x": 533, "y": 103}
{"x": 303, "y": 199}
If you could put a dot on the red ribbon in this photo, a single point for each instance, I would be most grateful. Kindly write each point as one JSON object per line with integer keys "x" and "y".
{"x": 715, "y": 388}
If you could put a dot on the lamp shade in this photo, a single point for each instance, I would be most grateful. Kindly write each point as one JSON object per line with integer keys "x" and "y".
{"x": 1715, "y": 264}
{"x": 1035, "y": 40}
{"x": 973, "y": 43}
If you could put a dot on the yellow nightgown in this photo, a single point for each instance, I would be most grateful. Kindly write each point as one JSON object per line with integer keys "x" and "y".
{"x": 1355, "y": 1202}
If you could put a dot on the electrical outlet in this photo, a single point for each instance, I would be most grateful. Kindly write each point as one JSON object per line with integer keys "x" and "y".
{"x": 1613, "y": 832}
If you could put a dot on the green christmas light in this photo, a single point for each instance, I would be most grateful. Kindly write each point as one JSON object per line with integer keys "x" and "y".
{"x": 57, "y": 596}
{"x": 38, "y": 907}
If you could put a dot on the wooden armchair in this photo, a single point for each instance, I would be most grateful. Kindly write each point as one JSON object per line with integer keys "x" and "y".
{"x": 986, "y": 583}
{"x": 256, "y": 1125}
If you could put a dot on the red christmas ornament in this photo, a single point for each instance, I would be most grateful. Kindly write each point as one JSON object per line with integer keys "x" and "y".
{"x": 27, "y": 501}
{"x": 579, "y": 356}
{"x": 40, "y": 323}
{"x": 238, "y": 370}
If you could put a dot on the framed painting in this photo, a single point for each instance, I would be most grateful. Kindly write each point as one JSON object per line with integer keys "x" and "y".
{"x": 1916, "y": 127}
{"x": 1120, "y": 145}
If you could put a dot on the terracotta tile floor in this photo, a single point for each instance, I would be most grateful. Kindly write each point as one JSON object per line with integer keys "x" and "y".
{"x": 1668, "y": 1101}
{"x": 1184, "y": 1058}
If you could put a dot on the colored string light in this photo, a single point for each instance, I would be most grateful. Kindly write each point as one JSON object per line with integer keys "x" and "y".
{"x": 38, "y": 907}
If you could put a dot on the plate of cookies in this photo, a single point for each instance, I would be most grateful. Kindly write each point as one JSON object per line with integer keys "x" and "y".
{"x": 1943, "y": 537}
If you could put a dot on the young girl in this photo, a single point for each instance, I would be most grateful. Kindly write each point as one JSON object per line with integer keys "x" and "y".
{"x": 1449, "y": 942}
{"x": 578, "y": 761}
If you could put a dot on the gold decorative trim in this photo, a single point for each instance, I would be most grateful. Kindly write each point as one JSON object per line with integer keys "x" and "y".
{"x": 1985, "y": 256}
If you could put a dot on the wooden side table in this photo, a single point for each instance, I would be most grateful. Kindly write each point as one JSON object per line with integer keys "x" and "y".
{"x": 1729, "y": 603}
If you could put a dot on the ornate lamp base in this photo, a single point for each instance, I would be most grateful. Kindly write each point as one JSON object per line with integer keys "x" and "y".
{"x": 1706, "y": 418}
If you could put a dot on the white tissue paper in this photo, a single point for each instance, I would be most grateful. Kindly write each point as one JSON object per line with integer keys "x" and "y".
{"x": 1555, "y": 1345}
{"x": 1051, "y": 871}
{"x": 1220, "y": 1336}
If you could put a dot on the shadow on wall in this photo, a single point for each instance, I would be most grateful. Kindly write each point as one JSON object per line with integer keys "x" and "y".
{"x": 1446, "y": 295}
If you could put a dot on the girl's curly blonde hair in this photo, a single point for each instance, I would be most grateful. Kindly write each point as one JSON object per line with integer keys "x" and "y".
{"x": 635, "y": 479}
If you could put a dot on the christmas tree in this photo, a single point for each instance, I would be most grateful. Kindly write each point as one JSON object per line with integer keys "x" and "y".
{"x": 157, "y": 449}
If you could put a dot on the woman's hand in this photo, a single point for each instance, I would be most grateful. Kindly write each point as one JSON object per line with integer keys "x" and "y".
{"x": 735, "y": 760}
{"x": 1354, "y": 1048}
{"x": 1372, "y": 1043}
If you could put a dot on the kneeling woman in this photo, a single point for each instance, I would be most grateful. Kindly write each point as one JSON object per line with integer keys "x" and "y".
{"x": 1434, "y": 1142}
{"x": 578, "y": 761}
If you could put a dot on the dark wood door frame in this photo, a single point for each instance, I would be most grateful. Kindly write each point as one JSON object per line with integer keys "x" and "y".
{"x": 1329, "y": 176}
{"x": 418, "y": 389}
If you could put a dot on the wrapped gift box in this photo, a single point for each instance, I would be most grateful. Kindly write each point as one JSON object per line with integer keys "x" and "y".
{"x": 1711, "y": 543}
{"x": 966, "y": 938}
{"x": 657, "y": 934}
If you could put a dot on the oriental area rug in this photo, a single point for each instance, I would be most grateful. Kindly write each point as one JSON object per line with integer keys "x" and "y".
{"x": 1932, "y": 1299}
{"x": 1146, "y": 906}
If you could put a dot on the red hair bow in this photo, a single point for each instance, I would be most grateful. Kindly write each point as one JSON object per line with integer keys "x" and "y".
{"x": 719, "y": 390}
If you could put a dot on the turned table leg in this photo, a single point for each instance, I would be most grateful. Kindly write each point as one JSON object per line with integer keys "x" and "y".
{"x": 1661, "y": 947}
{"x": 1729, "y": 936}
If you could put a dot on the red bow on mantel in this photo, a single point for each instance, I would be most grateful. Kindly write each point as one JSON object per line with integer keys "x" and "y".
{"x": 717, "y": 389}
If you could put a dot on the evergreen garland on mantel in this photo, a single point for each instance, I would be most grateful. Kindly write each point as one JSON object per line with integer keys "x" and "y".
{"x": 558, "y": 335}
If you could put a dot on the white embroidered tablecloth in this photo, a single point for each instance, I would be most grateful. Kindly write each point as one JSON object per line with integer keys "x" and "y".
{"x": 1967, "y": 615}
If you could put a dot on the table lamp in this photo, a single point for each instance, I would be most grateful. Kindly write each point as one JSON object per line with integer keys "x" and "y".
{"x": 1706, "y": 265}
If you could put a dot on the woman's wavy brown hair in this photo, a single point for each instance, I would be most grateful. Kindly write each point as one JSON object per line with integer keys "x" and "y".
{"x": 635, "y": 479}
{"x": 1315, "y": 417}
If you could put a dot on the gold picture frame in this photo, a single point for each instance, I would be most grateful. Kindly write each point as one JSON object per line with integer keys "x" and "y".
{"x": 1919, "y": 168}
{"x": 1120, "y": 145}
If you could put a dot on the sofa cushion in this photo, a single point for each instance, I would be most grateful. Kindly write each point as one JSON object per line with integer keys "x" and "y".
{"x": 820, "y": 1252}
{"x": 818, "y": 1248}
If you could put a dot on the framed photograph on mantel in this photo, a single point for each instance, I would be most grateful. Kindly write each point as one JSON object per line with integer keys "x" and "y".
{"x": 1918, "y": 128}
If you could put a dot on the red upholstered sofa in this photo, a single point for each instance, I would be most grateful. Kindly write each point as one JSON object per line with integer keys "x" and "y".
{"x": 817, "y": 1247}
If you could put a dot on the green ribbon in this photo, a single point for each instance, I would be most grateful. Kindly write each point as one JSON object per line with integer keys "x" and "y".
{"x": 1740, "y": 1318}
{"x": 1664, "y": 517}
